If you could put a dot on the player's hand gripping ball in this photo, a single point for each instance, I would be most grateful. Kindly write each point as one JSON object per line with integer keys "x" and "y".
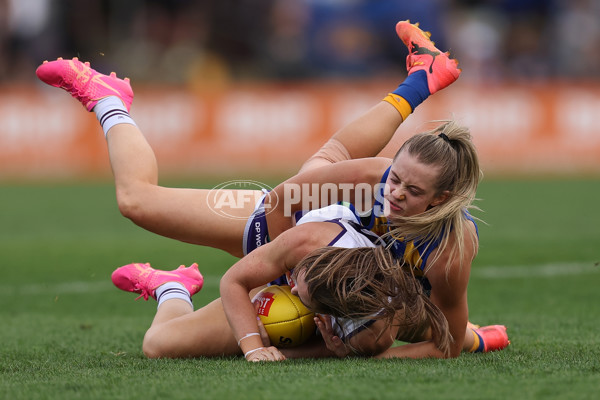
{"x": 287, "y": 321}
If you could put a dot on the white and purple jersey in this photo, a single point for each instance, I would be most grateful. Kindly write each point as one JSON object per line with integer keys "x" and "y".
{"x": 351, "y": 235}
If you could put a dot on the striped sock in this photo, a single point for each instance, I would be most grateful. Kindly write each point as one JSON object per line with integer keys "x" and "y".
{"x": 111, "y": 111}
{"x": 172, "y": 290}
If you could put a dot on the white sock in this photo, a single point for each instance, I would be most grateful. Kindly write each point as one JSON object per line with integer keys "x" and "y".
{"x": 111, "y": 111}
{"x": 172, "y": 290}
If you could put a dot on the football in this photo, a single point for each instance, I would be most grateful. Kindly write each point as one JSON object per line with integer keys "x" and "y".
{"x": 287, "y": 321}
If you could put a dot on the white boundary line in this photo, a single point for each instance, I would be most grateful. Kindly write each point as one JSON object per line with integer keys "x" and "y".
{"x": 77, "y": 287}
{"x": 482, "y": 272}
{"x": 536, "y": 271}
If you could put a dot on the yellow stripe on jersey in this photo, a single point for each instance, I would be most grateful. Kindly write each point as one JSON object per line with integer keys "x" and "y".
{"x": 411, "y": 254}
{"x": 380, "y": 226}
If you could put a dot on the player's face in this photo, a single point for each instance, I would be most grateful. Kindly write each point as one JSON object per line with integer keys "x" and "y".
{"x": 300, "y": 288}
{"x": 410, "y": 187}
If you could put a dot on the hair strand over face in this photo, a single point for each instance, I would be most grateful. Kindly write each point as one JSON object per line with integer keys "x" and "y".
{"x": 369, "y": 283}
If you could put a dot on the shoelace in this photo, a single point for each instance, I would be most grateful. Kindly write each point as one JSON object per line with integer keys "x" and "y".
{"x": 143, "y": 292}
{"x": 78, "y": 94}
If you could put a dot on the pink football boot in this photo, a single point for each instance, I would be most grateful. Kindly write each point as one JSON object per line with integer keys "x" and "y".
{"x": 424, "y": 56}
{"x": 85, "y": 84}
{"x": 143, "y": 279}
{"x": 494, "y": 337}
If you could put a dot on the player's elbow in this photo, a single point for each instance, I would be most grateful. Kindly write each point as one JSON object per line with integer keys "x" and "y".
{"x": 225, "y": 284}
{"x": 371, "y": 348}
{"x": 454, "y": 352}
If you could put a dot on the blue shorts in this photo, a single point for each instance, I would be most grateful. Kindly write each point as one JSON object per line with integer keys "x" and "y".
{"x": 256, "y": 233}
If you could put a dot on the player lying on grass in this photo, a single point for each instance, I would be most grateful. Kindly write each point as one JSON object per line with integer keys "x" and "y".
{"x": 371, "y": 299}
{"x": 432, "y": 180}
{"x": 360, "y": 284}
{"x": 175, "y": 330}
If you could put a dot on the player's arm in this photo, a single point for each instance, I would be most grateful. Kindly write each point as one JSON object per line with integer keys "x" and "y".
{"x": 370, "y": 341}
{"x": 449, "y": 294}
{"x": 454, "y": 307}
{"x": 313, "y": 348}
{"x": 413, "y": 350}
{"x": 378, "y": 348}
{"x": 456, "y": 312}
{"x": 449, "y": 289}
{"x": 373, "y": 340}
{"x": 261, "y": 266}
{"x": 287, "y": 197}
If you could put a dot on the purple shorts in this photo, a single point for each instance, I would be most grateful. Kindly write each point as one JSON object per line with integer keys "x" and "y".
{"x": 256, "y": 233}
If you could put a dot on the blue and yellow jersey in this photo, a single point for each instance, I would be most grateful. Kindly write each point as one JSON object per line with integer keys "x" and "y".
{"x": 415, "y": 253}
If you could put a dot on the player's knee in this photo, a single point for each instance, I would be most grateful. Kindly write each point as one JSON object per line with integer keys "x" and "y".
{"x": 149, "y": 347}
{"x": 150, "y": 353}
{"x": 154, "y": 346}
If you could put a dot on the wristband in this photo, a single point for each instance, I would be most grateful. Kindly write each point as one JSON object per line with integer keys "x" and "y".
{"x": 252, "y": 351}
{"x": 247, "y": 336}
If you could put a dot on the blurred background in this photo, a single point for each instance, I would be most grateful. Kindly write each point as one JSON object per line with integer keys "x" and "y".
{"x": 200, "y": 42}
{"x": 286, "y": 74}
{"x": 248, "y": 89}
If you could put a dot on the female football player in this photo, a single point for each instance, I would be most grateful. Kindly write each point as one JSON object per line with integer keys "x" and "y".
{"x": 433, "y": 179}
{"x": 185, "y": 214}
{"x": 370, "y": 298}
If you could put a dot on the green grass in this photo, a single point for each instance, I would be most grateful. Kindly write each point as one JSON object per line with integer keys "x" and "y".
{"x": 68, "y": 334}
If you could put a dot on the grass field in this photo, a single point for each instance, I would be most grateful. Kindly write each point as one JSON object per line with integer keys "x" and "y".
{"x": 67, "y": 333}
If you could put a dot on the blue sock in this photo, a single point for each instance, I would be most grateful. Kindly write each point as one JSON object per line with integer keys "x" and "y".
{"x": 481, "y": 347}
{"x": 414, "y": 89}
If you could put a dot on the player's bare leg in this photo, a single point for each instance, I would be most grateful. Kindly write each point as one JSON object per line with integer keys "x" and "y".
{"x": 178, "y": 332}
{"x": 429, "y": 70}
{"x": 366, "y": 136}
{"x": 183, "y": 214}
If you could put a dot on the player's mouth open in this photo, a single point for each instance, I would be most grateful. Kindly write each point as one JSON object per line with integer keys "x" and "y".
{"x": 395, "y": 207}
